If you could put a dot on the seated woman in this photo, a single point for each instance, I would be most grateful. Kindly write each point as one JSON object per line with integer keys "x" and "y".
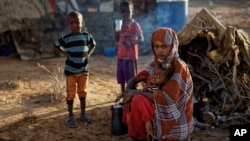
{"x": 170, "y": 108}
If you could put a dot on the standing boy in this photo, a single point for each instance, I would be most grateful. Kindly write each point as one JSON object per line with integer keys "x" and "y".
{"x": 127, "y": 51}
{"x": 78, "y": 46}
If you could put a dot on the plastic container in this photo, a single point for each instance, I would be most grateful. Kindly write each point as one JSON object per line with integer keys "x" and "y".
{"x": 110, "y": 52}
{"x": 172, "y": 13}
{"x": 118, "y": 25}
{"x": 117, "y": 126}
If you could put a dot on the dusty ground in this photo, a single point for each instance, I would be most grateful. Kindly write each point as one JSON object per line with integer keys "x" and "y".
{"x": 28, "y": 113}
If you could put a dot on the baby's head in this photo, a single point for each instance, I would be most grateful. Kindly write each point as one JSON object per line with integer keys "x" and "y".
{"x": 126, "y": 9}
{"x": 162, "y": 73}
{"x": 167, "y": 67}
{"x": 75, "y": 22}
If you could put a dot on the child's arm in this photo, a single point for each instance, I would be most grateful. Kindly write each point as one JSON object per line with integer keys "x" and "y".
{"x": 57, "y": 47}
{"x": 91, "y": 44}
{"x": 128, "y": 96}
{"x": 117, "y": 36}
{"x": 132, "y": 42}
{"x": 140, "y": 39}
{"x": 91, "y": 50}
{"x": 139, "y": 35}
{"x": 60, "y": 50}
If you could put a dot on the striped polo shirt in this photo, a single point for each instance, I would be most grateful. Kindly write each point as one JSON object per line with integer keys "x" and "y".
{"x": 78, "y": 47}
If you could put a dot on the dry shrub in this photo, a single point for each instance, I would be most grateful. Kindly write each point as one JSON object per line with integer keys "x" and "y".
{"x": 57, "y": 79}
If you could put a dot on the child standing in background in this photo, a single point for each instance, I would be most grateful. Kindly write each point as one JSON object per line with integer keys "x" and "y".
{"x": 78, "y": 46}
{"x": 127, "y": 51}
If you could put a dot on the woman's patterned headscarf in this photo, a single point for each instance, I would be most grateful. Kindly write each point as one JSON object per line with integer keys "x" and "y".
{"x": 169, "y": 37}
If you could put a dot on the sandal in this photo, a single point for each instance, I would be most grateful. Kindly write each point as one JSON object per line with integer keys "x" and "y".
{"x": 70, "y": 122}
{"x": 86, "y": 119}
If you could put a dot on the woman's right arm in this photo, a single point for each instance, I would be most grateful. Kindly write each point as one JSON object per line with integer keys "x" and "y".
{"x": 128, "y": 96}
{"x": 131, "y": 89}
{"x": 132, "y": 83}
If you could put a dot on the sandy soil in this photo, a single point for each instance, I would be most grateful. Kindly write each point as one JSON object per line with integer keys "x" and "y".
{"x": 29, "y": 113}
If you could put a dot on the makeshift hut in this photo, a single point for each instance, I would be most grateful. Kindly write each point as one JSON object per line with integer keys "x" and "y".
{"x": 219, "y": 60}
{"x": 34, "y": 25}
{"x": 24, "y": 24}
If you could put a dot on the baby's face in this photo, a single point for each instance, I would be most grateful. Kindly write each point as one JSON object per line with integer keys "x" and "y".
{"x": 159, "y": 76}
{"x": 75, "y": 24}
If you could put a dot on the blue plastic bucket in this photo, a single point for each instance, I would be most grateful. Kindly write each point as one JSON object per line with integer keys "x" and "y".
{"x": 172, "y": 13}
{"x": 110, "y": 52}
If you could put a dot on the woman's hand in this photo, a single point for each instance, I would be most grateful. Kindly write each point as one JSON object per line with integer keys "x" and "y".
{"x": 128, "y": 96}
{"x": 149, "y": 128}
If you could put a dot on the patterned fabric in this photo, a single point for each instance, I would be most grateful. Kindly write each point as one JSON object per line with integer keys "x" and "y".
{"x": 78, "y": 47}
{"x": 128, "y": 32}
{"x": 142, "y": 110}
{"x": 173, "y": 104}
{"x": 174, "y": 107}
{"x": 151, "y": 88}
